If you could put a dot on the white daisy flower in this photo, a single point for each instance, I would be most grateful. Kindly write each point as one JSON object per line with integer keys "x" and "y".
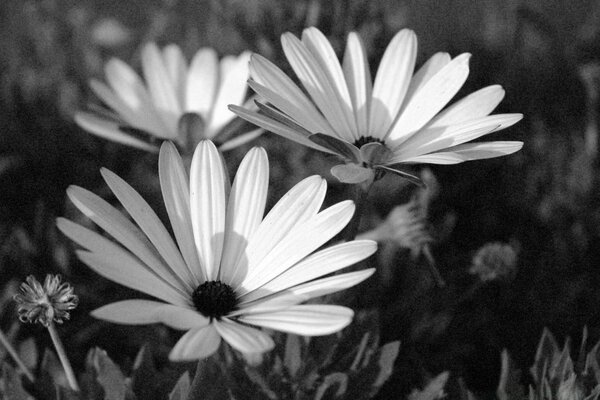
{"x": 376, "y": 127}
{"x": 229, "y": 270}
{"x": 179, "y": 102}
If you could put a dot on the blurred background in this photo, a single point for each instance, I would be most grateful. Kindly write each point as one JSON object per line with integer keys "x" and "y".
{"x": 544, "y": 202}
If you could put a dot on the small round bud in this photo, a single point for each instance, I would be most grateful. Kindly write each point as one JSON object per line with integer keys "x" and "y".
{"x": 495, "y": 261}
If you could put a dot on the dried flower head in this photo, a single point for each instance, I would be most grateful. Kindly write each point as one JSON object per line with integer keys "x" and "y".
{"x": 495, "y": 261}
{"x": 47, "y": 303}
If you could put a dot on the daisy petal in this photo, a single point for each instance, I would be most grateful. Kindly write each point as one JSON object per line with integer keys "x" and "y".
{"x": 177, "y": 68}
{"x": 306, "y": 320}
{"x": 274, "y": 126}
{"x": 203, "y": 77}
{"x": 109, "y": 130}
{"x": 244, "y": 338}
{"x": 112, "y": 100}
{"x": 317, "y": 265}
{"x": 468, "y": 152}
{"x": 176, "y": 192}
{"x": 281, "y": 90}
{"x": 244, "y": 212}
{"x": 358, "y": 79}
{"x": 352, "y": 173}
{"x": 476, "y": 105}
{"x": 241, "y": 139}
{"x": 304, "y": 292}
{"x": 343, "y": 149}
{"x": 394, "y": 170}
{"x": 423, "y": 74}
{"x": 196, "y": 343}
{"x": 126, "y": 233}
{"x": 298, "y": 205}
{"x": 302, "y": 240}
{"x": 428, "y": 101}
{"x": 142, "y": 312}
{"x": 161, "y": 87}
{"x": 207, "y": 197}
{"x": 323, "y": 53}
{"x": 232, "y": 90}
{"x": 317, "y": 84}
{"x": 149, "y": 223}
{"x": 392, "y": 81}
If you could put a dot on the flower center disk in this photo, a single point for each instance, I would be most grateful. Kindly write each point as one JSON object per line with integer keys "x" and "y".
{"x": 360, "y": 142}
{"x": 214, "y": 299}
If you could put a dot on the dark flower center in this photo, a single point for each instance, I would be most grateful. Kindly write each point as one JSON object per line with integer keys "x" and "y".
{"x": 366, "y": 139}
{"x": 214, "y": 299}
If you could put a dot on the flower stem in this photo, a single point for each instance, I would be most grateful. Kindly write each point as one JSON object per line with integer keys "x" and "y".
{"x": 62, "y": 355}
{"x": 437, "y": 277}
{"x": 11, "y": 350}
{"x": 361, "y": 196}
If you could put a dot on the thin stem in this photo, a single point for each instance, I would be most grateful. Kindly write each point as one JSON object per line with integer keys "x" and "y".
{"x": 437, "y": 277}
{"x": 11, "y": 350}
{"x": 362, "y": 194}
{"x": 62, "y": 355}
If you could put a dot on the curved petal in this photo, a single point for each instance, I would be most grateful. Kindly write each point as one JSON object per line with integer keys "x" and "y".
{"x": 317, "y": 265}
{"x": 302, "y": 240}
{"x": 207, "y": 200}
{"x": 423, "y": 74}
{"x": 177, "y": 69}
{"x": 244, "y": 338}
{"x": 241, "y": 140}
{"x": 142, "y": 312}
{"x": 196, "y": 343}
{"x": 306, "y": 319}
{"x": 176, "y": 194}
{"x": 150, "y": 224}
{"x": 429, "y": 100}
{"x": 323, "y": 53}
{"x": 110, "y": 130}
{"x": 358, "y": 79}
{"x": 115, "y": 263}
{"x": 244, "y": 212}
{"x": 468, "y": 152}
{"x": 281, "y": 91}
{"x": 392, "y": 81}
{"x": 202, "y": 81}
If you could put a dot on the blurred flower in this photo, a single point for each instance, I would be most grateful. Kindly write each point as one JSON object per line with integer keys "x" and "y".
{"x": 494, "y": 261}
{"x": 376, "y": 127}
{"x": 179, "y": 102}
{"x": 47, "y": 303}
{"x": 230, "y": 268}
{"x": 110, "y": 32}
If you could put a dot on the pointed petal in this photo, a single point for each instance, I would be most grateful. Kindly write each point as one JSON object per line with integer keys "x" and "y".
{"x": 142, "y": 312}
{"x": 244, "y": 213}
{"x": 118, "y": 265}
{"x": 423, "y": 74}
{"x": 274, "y": 126}
{"x": 302, "y": 240}
{"x": 306, "y": 320}
{"x": 207, "y": 197}
{"x": 241, "y": 140}
{"x": 343, "y": 149}
{"x": 476, "y": 105}
{"x": 150, "y": 224}
{"x": 196, "y": 344}
{"x": 126, "y": 233}
{"x": 304, "y": 292}
{"x": 434, "y": 139}
{"x": 244, "y": 338}
{"x": 317, "y": 84}
{"x": 280, "y": 90}
{"x": 161, "y": 87}
{"x": 298, "y": 205}
{"x": 110, "y": 130}
{"x": 392, "y": 81}
{"x": 317, "y": 265}
{"x": 428, "y": 101}
{"x": 203, "y": 78}
{"x": 409, "y": 177}
{"x": 176, "y": 195}
{"x": 177, "y": 69}
{"x": 358, "y": 78}
{"x": 326, "y": 58}
{"x": 468, "y": 152}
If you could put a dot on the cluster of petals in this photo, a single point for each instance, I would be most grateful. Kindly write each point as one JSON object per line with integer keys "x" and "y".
{"x": 142, "y": 113}
{"x": 400, "y": 118}
{"x": 272, "y": 264}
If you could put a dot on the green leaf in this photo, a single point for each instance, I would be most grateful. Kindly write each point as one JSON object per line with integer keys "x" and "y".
{"x": 546, "y": 352}
{"x": 292, "y": 357}
{"x": 108, "y": 375}
{"x": 144, "y": 377}
{"x": 387, "y": 356}
{"x": 331, "y": 381}
{"x": 182, "y": 388}
{"x": 10, "y": 384}
{"x": 209, "y": 381}
{"x": 434, "y": 389}
{"x": 352, "y": 173}
{"x": 509, "y": 386}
